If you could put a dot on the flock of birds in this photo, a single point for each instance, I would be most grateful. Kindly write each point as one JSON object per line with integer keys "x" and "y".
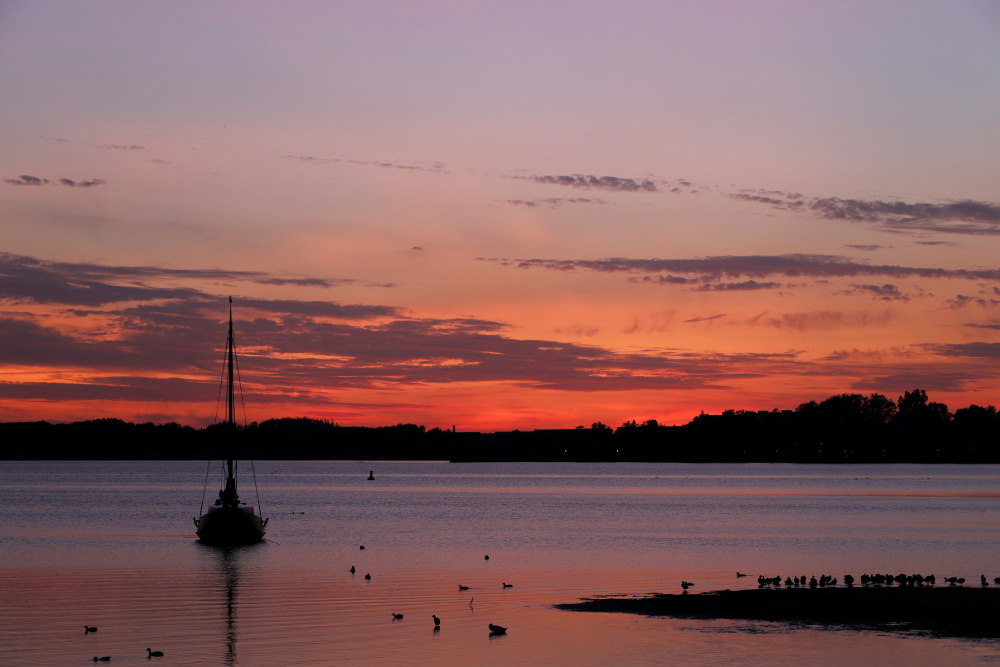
{"x": 866, "y": 580}
{"x": 494, "y": 629}
{"x": 87, "y": 629}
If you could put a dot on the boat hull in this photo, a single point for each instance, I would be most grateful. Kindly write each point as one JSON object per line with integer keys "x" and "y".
{"x": 230, "y": 526}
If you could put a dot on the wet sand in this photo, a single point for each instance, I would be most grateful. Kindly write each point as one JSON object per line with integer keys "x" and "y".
{"x": 948, "y": 610}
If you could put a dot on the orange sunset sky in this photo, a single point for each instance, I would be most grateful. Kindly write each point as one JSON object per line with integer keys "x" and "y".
{"x": 496, "y": 215}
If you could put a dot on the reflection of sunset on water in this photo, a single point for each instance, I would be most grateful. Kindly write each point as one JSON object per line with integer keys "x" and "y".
{"x": 557, "y": 532}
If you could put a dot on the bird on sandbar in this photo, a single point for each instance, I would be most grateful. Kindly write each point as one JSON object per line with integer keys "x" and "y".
{"x": 397, "y": 617}
{"x": 506, "y": 585}
{"x": 497, "y": 629}
{"x": 89, "y": 628}
{"x": 686, "y": 585}
{"x": 437, "y": 621}
{"x": 153, "y": 654}
{"x": 368, "y": 577}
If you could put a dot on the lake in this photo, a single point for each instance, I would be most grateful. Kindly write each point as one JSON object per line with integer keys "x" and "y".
{"x": 111, "y": 544}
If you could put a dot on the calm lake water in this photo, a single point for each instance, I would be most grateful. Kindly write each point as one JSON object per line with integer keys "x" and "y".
{"x": 111, "y": 544}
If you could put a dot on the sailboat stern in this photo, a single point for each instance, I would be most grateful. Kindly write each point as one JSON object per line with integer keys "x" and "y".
{"x": 228, "y": 526}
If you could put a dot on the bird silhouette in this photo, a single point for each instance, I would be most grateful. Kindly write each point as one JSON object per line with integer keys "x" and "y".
{"x": 106, "y": 658}
{"x": 506, "y": 585}
{"x": 497, "y": 629}
{"x": 362, "y": 547}
{"x": 686, "y": 585}
{"x": 462, "y": 588}
{"x": 487, "y": 557}
{"x": 153, "y": 654}
{"x": 352, "y": 569}
{"x": 397, "y": 617}
{"x": 89, "y": 628}
{"x": 437, "y": 621}
{"x": 368, "y": 577}
{"x": 740, "y": 574}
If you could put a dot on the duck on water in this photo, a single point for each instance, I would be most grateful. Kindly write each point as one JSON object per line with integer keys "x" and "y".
{"x": 229, "y": 521}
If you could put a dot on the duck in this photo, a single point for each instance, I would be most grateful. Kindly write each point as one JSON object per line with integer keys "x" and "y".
{"x": 154, "y": 654}
{"x": 497, "y": 629}
{"x": 462, "y": 588}
{"x": 362, "y": 547}
{"x": 397, "y": 617}
{"x": 487, "y": 557}
{"x": 352, "y": 569}
{"x": 437, "y": 621}
{"x": 368, "y": 577}
{"x": 506, "y": 585}
{"x": 740, "y": 574}
{"x": 89, "y": 628}
{"x": 106, "y": 658}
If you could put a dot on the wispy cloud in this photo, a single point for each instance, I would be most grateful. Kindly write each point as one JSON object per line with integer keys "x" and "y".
{"x": 823, "y": 320}
{"x": 753, "y": 266}
{"x": 885, "y": 292}
{"x": 554, "y": 202}
{"x": 951, "y": 217}
{"x": 121, "y": 147}
{"x": 36, "y": 181}
{"x": 590, "y": 182}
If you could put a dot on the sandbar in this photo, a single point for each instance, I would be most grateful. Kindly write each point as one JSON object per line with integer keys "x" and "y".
{"x": 961, "y": 611}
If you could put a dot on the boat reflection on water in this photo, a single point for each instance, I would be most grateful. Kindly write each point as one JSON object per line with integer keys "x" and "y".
{"x": 226, "y": 563}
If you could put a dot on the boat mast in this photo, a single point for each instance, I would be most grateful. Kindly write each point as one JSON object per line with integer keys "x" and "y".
{"x": 230, "y": 407}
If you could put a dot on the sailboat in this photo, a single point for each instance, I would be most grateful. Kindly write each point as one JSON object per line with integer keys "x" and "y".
{"x": 230, "y": 521}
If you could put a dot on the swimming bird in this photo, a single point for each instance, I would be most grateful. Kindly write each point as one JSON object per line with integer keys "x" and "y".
{"x": 89, "y": 628}
{"x": 437, "y": 621}
{"x": 497, "y": 629}
{"x": 371, "y": 475}
{"x": 397, "y": 617}
{"x": 153, "y": 654}
{"x": 352, "y": 569}
{"x": 740, "y": 574}
{"x": 506, "y": 585}
{"x": 362, "y": 547}
{"x": 106, "y": 658}
{"x": 462, "y": 588}
{"x": 487, "y": 557}
{"x": 368, "y": 577}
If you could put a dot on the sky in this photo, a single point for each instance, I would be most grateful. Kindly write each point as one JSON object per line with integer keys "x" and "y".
{"x": 495, "y": 216}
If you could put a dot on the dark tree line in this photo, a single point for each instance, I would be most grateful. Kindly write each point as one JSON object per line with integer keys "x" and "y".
{"x": 842, "y": 428}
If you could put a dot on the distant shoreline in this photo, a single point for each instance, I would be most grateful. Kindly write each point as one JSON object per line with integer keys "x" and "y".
{"x": 959, "y": 611}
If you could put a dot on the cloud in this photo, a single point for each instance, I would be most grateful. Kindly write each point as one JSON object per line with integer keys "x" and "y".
{"x": 961, "y": 301}
{"x": 823, "y": 320}
{"x": 707, "y": 318}
{"x": 885, "y": 292}
{"x": 868, "y": 247}
{"x": 994, "y": 325}
{"x": 610, "y": 183}
{"x": 746, "y": 285}
{"x": 120, "y": 147}
{"x": 81, "y": 184}
{"x": 951, "y": 217}
{"x": 34, "y": 180}
{"x": 554, "y": 202}
{"x": 27, "y": 180}
{"x": 753, "y": 266}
